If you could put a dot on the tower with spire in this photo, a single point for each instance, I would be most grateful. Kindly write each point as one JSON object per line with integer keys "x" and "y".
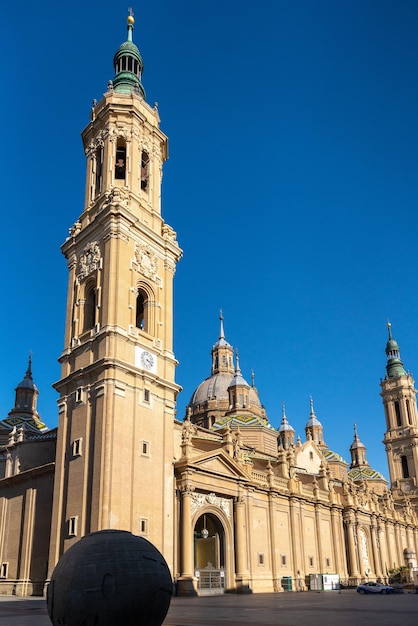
{"x": 117, "y": 389}
{"x": 314, "y": 429}
{"x": 401, "y": 436}
{"x": 24, "y": 413}
{"x": 286, "y": 433}
{"x": 225, "y": 390}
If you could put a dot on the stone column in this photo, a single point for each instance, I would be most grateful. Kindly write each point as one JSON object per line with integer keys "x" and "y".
{"x": 276, "y": 585}
{"x": 340, "y": 562}
{"x": 297, "y": 545}
{"x": 360, "y": 552}
{"x": 240, "y": 542}
{"x": 415, "y": 535}
{"x": 318, "y": 537}
{"x": 376, "y": 555}
{"x": 399, "y": 551}
{"x": 186, "y": 584}
{"x": 352, "y": 550}
{"x": 389, "y": 546}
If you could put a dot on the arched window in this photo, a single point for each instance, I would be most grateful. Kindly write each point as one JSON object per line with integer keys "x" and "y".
{"x": 98, "y": 179}
{"x": 398, "y": 414}
{"x": 144, "y": 170}
{"x": 387, "y": 417}
{"x": 90, "y": 309}
{"x": 141, "y": 319}
{"x": 405, "y": 471}
{"x": 408, "y": 411}
{"x": 120, "y": 164}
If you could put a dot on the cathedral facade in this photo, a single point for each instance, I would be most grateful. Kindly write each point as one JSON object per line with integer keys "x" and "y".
{"x": 231, "y": 502}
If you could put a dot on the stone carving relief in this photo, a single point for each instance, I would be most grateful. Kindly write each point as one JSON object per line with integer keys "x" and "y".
{"x": 168, "y": 232}
{"x": 89, "y": 260}
{"x": 75, "y": 229}
{"x": 200, "y": 500}
{"x": 97, "y": 142}
{"x": 116, "y": 131}
{"x": 116, "y": 195}
{"x": 147, "y": 261}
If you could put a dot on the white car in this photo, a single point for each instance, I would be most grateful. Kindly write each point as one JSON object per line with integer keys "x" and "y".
{"x": 374, "y": 588}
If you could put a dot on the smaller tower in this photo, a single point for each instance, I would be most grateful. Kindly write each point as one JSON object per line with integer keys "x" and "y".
{"x": 24, "y": 413}
{"x": 358, "y": 452}
{"x": 238, "y": 391}
{"x": 286, "y": 436}
{"x": 360, "y": 470}
{"x": 314, "y": 429}
{"x": 222, "y": 353}
{"x": 401, "y": 436}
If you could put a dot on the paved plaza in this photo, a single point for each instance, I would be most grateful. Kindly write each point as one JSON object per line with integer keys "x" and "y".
{"x": 332, "y": 608}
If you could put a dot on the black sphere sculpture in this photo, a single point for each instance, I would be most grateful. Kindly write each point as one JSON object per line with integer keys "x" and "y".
{"x": 108, "y": 578}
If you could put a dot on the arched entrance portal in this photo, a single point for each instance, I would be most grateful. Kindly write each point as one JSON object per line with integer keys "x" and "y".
{"x": 209, "y": 554}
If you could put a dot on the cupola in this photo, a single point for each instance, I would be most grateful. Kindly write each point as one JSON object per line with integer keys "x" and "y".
{"x": 128, "y": 65}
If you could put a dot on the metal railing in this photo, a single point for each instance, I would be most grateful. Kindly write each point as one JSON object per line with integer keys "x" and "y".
{"x": 210, "y": 580}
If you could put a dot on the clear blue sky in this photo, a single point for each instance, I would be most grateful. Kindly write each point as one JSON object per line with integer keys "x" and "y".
{"x": 292, "y": 185}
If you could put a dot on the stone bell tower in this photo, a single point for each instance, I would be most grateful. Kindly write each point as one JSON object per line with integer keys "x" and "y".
{"x": 401, "y": 436}
{"x": 117, "y": 388}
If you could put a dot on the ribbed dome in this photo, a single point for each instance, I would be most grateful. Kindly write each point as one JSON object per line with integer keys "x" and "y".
{"x": 216, "y": 388}
{"x": 391, "y": 345}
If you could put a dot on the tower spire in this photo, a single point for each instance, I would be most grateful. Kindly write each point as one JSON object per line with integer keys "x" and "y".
{"x": 128, "y": 64}
{"x": 394, "y": 365}
{"x": 29, "y": 369}
{"x": 237, "y": 367}
{"x": 221, "y": 330}
{"x": 130, "y": 23}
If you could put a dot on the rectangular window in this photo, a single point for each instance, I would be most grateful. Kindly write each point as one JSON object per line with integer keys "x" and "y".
{"x": 283, "y": 560}
{"x": 311, "y": 561}
{"x": 79, "y": 395}
{"x": 143, "y": 526}
{"x": 4, "y": 570}
{"x": 261, "y": 559}
{"x": 145, "y": 448}
{"x": 328, "y": 562}
{"x": 72, "y": 526}
{"x": 77, "y": 447}
{"x": 146, "y": 395}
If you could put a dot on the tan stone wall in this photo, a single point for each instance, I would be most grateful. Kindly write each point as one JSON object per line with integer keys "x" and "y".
{"x": 25, "y": 517}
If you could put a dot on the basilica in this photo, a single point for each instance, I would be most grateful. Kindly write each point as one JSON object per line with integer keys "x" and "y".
{"x": 232, "y": 503}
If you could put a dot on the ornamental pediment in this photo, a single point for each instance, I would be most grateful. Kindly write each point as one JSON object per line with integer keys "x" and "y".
{"x": 220, "y": 464}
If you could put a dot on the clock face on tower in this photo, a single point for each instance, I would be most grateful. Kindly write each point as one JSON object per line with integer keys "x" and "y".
{"x": 145, "y": 360}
